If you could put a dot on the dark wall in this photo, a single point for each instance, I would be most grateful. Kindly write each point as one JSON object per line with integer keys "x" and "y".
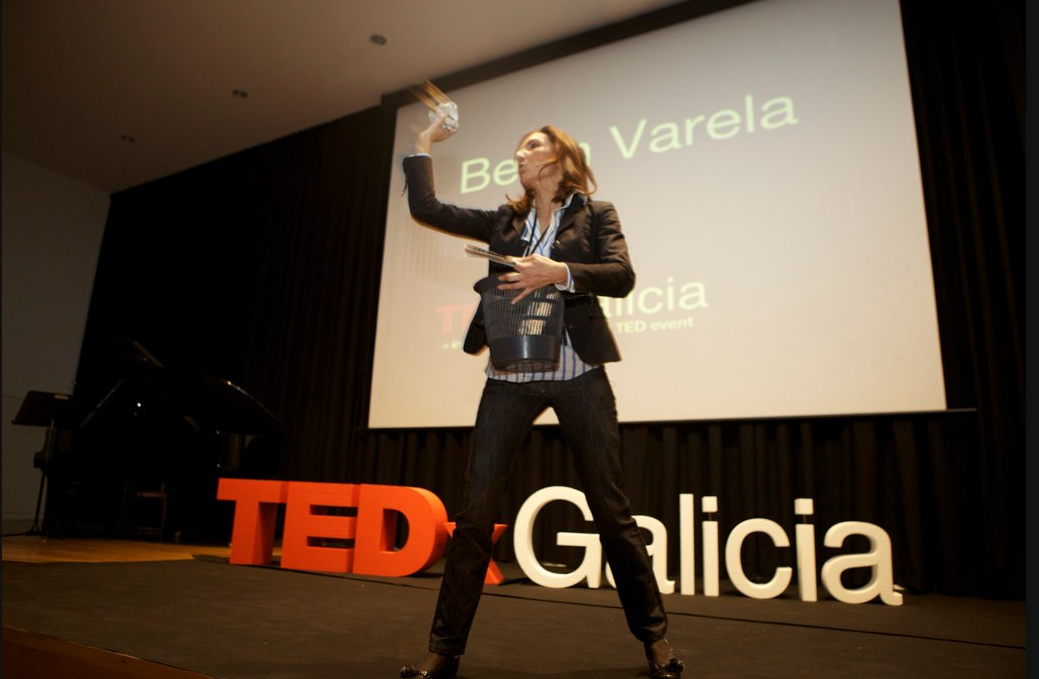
{"x": 262, "y": 269}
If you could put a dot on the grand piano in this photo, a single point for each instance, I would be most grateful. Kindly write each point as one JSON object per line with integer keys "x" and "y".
{"x": 148, "y": 444}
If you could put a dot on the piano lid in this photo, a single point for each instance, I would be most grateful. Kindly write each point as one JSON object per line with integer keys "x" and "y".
{"x": 218, "y": 405}
{"x": 207, "y": 403}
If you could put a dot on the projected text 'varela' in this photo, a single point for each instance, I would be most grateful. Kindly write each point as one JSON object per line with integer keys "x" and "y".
{"x": 663, "y": 137}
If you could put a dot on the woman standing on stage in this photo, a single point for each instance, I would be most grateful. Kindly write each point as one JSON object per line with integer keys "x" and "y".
{"x": 555, "y": 235}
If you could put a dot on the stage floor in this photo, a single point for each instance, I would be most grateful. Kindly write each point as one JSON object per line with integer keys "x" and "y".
{"x": 161, "y": 610}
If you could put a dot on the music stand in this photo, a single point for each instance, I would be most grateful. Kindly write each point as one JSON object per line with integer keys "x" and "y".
{"x": 51, "y": 410}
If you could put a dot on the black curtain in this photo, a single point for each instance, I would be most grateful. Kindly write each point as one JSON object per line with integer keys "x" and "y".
{"x": 263, "y": 269}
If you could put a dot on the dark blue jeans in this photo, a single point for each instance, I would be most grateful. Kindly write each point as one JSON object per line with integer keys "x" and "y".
{"x": 587, "y": 414}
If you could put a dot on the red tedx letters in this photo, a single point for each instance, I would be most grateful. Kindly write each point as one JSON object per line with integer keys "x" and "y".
{"x": 364, "y": 514}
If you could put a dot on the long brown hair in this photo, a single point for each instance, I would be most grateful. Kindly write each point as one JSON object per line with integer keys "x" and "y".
{"x": 577, "y": 175}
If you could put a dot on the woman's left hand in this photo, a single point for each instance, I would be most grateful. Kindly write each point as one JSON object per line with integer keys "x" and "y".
{"x": 531, "y": 273}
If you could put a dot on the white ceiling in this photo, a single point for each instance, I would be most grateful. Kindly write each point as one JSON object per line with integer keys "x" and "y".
{"x": 116, "y": 93}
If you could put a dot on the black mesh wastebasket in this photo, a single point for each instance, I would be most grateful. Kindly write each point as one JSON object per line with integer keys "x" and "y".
{"x": 525, "y": 335}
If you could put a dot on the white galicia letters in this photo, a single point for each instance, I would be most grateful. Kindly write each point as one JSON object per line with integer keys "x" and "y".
{"x": 878, "y": 558}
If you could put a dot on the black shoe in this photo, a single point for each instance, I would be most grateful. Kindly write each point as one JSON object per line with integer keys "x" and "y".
{"x": 445, "y": 671}
{"x": 672, "y": 670}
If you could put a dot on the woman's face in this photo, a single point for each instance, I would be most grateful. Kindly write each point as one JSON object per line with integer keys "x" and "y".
{"x": 534, "y": 153}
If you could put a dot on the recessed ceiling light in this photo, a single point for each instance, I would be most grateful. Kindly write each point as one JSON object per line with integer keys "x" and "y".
{"x": 241, "y": 94}
{"x": 378, "y": 39}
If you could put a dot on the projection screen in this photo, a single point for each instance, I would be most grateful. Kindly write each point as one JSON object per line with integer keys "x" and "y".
{"x": 763, "y": 162}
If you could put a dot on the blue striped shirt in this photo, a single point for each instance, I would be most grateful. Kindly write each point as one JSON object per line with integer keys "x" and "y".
{"x": 570, "y": 364}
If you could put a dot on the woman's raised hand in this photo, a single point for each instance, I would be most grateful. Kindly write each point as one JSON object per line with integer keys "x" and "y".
{"x": 436, "y": 132}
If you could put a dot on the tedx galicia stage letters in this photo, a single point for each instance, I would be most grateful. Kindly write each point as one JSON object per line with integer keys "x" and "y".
{"x": 367, "y": 515}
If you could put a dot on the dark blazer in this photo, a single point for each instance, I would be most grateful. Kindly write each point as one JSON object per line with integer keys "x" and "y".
{"x": 589, "y": 241}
